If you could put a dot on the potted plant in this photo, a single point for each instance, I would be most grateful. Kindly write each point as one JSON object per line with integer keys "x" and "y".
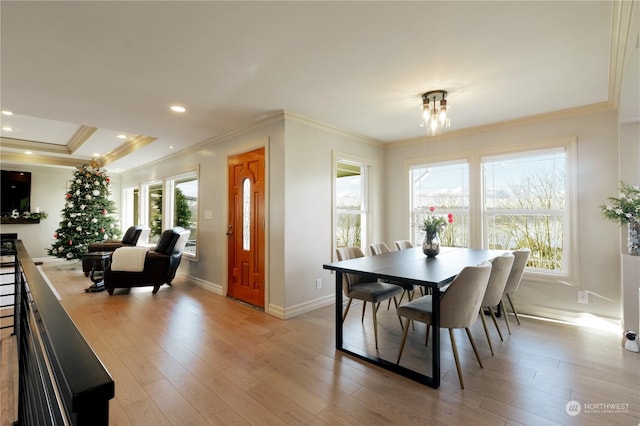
{"x": 431, "y": 225}
{"x": 626, "y": 209}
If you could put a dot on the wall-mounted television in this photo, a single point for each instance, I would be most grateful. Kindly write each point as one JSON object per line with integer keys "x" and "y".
{"x": 16, "y": 192}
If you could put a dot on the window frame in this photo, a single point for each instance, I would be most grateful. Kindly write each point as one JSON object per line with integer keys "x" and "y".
{"x": 145, "y": 208}
{"x": 477, "y": 222}
{"x": 568, "y": 275}
{"x": 365, "y": 222}
{"x": 128, "y": 207}
{"x": 169, "y": 205}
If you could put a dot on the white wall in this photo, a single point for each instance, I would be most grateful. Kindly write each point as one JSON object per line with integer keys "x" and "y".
{"x": 48, "y": 189}
{"x": 299, "y": 175}
{"x": 210, "y": 269}
{"x": 309, "y": 156}
{"x": 299, "y": 172}
{"x": 598, "y": 240}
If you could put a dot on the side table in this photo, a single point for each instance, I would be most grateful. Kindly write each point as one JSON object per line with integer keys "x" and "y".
{"x": 99, "y": 260}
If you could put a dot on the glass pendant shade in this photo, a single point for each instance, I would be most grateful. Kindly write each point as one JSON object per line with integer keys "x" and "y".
{"x": 435, "y": 115}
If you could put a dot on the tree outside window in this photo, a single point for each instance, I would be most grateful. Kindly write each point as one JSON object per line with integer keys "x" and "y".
{"x": 155, "y": 212}
{"x": 444, "y": 186}
{"x": 525, "y": 205}
{"x": 351, "y": 204}
{"x": 185, "y": 208}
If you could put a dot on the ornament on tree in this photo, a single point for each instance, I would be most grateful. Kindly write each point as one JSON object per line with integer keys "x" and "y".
{"x": 87, "y": 223}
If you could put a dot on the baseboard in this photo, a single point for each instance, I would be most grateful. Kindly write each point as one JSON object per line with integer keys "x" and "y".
{"x": 212, "y": 287}
{"x": 302, "y": 308}
{"x": 572, "y": 317}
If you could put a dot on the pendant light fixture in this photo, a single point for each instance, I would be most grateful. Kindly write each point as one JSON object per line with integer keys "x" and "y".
{"x": 435, "y": 112}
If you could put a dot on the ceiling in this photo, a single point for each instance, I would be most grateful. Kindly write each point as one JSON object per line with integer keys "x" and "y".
{"x": 78, "y": 74}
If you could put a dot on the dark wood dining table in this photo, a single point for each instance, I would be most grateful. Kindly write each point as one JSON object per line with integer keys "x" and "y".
{"x": 407, "y": 267}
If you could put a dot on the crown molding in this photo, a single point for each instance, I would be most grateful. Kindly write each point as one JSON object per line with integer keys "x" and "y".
{"x": 278, "y": 116}
{"x": 125, "y": 149}
{"x": 25, "y": 145}
{"x": 17, "y": 158}
{"x": 332, "y": 129}
{"x": 262, "y": 121}
{"x": 548, "y": 116}
{"x": 80, "y": 137}
{"x": 624, "y": 30}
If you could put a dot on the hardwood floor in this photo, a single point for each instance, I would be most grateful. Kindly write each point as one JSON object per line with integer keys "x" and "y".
{"x": 186, "y": 356}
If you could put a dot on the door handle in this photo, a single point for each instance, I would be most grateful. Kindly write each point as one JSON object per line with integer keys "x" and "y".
{"x": 229, "y": 231}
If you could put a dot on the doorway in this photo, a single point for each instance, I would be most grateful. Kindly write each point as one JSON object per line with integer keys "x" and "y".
{"x": 246, "y": 227}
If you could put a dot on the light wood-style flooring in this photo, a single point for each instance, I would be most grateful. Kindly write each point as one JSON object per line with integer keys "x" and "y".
{"x": 186, "y": 356}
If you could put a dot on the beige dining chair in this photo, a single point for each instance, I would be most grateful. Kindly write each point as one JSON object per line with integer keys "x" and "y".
{"x": 403, "y": 244}
{"x": 500, "y": 269}
{"x": 459, "y": 307}
{"x": 408, "y": 289}
{"x": 372, "y": 291}
{"x": 513, "y": 282}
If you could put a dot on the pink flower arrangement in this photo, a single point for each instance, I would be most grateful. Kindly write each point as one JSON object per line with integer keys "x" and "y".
{"x": 432, "y": 223}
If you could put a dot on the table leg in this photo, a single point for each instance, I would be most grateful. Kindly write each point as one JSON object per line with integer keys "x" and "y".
{"x": 435, "y": 342}
{"x": 433, "y": 381}
{"x": 339, "y": 310}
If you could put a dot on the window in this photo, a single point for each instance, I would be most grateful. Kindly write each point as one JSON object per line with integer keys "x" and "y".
{"x": 151, "y": 209}
{"x": 350, "y": 204}
{"x": 183, "y": 206}
{"x": 504, "y": 201}
{"x": 525, "y": 204}
{"x": 130, "y": 207}
{"x": 246, "y": 214}
{"x": 444, "y": 186}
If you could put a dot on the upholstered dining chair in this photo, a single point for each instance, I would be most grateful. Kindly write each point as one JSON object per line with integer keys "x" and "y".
{"x": 513, "y": 282}
{"x": 408, "y": 289}
{"x": 500, "y": 269}
{"x": 373, "y": 291}
{"x": 403, "y": 244}
{"x": 459, "y": 307}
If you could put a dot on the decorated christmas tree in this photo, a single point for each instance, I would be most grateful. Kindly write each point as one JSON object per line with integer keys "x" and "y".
{"x": 87, "y": 214}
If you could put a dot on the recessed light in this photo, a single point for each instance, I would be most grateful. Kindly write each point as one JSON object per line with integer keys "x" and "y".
{"x": 121, "y": 136}
{"x": 170, "y": 146}
{"x": 4, "y": 112}
{"x": 8, "y": 129}
{"x": 177, "y": 108}
{"x": 96, "y": 154}
{"x": 28, "y": 152}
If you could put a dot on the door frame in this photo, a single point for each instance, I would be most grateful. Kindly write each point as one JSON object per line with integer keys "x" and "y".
{"x": 241, "y": 149}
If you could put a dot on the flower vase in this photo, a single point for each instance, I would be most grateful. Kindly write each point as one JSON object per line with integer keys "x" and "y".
{"x": 431, "y": 245}
{"x": 633, "y": 239}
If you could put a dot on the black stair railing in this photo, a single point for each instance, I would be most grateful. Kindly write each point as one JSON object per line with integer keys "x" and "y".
{"x": 61, "y": 380}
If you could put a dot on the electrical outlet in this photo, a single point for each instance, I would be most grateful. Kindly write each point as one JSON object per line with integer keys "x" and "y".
{"x": 583, "y": 296}
{"x": 318, "y": 283}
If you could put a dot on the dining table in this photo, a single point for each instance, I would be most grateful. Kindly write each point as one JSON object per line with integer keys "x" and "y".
{"x": 409, "y": 266}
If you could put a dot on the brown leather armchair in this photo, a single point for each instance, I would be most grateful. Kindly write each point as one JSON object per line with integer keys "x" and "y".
{"x": 132, "y": 237}
{"x": 160, "y": 264}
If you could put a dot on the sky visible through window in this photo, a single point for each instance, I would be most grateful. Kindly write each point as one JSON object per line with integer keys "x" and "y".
{"x": 348, "y": 191}
{"x": 452, "y": 179}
